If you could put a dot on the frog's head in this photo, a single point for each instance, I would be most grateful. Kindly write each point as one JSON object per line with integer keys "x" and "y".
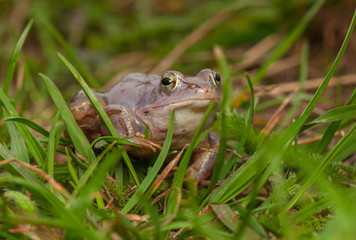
{"x": 178, "y": 88}
{"x": 189, "y": 97}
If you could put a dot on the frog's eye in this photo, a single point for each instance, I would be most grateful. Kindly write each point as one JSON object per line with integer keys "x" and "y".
{"x": 215, "y": 78}
{"x": 169, "y": 82}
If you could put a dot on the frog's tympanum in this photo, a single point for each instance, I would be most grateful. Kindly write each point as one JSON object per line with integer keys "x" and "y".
{"x": 142, "y": 101}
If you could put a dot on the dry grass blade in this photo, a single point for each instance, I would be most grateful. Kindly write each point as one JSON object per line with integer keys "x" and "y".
{"x": 316, "y": 138}
{"x": 225, "y": 215}
{"x": 272, "y": 122}
{"x": 166, "y": 195}
{"x": 137, "y": 218}
{"x": 284, "y": 65}
{"x": 57, "y": 186}
{"x": 256, "y": 52}
{"x": 167, "y": 170}
{"x": 192, "y": 38}
{"x": 282, "y": 88}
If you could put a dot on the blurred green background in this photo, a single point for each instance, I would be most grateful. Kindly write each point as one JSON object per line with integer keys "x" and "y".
{"x": 107, "y": 39}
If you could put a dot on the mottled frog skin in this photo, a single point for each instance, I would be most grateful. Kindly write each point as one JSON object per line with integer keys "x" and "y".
{"x": 146, "y": 100}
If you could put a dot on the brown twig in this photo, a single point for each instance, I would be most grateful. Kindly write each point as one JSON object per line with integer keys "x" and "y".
{"x": 271, "y": 124}
{"x": 284, "y": 64}
{"x": 315, "y": 139}
{"x": 282, "y": 88}
{"x": 167, "y": 169}
{"x": 192, "y": 38}
{"x": 256, "y": 52}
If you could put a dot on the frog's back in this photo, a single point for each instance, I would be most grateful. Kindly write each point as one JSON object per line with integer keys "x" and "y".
{"x": 132, "y": 88}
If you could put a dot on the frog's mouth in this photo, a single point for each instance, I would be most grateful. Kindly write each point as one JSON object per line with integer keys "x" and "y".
{"x": 192, "y": 103}
{"x": 189, "y": 114}
{"x": 189, "y": 102}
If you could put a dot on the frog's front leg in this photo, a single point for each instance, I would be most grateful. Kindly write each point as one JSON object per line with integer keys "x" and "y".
{"x": 204, "y": 159}
{"x": 128, "y": 126}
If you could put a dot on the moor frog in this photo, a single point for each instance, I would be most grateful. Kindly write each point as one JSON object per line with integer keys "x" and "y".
{"x": 142, "y": 101}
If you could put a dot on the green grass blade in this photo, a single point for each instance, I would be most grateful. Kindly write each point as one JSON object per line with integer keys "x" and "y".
{"x": 88, "y": 92}
{"x": 5, "y": 234}
{"x": 50, "y": 222}
{"x": 333, "y": 116}
{"x": 85, "y": 177}
{"x": 224, "y": 170}
{"x": 35, "y": 127}
{"x": 79, "y": 162}
{"x": 125, "y": 226}
{"x": 13, "y": 61}
{"x": 18, "y": 146}
{"x": 78, "y": 138}
{"x": 347, "y": 139}
{"x": 333, "y": 127}
{"x": 340, "y": 144}
{"x": 33, "y": 144}
{"x": 129, "y": 165}
{"x": 251, "y": 112}
{"x": 51, "y": 147}
{"x": 70, "y": 52}
{"x": 303, "y": 74}
{"x": 226, "y": 75}
{"x": 251, "y": 220}
{"x": 225, "y": 106}
{"x": 179, "y": 175}
{"x": 146, "y": 183}
{"x": 15, "y": 56}
{"x": 51, "y": 202}
{"x": 220, "y": 157}
{"x": 14, "y": 168}
{"x": 29, "y": 123}
{"x": 288, "y": 41}
{"x": 94, "y": 101}
{"x": 111, "y": 139}
{"x": 120, "y": 141}
{"x": 85, "y": 196}
{"x": 247, "y": 215}
{"x": 347, "y": 150}
{"x": 71, "y": 169}
{"x": 274, "y": 151}
{"x": 336, "y": 114}
{"x": 311, "y": 209}
{"x": 245, "y": 134}
{"x": 309, "y": 109}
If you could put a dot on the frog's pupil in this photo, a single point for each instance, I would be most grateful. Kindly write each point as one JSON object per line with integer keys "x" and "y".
{"x": 217, "y": 77}
{"x": 166, "y": 81}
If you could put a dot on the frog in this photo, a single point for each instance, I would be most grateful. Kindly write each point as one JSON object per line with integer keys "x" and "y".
{"x": 140, "y": 105}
